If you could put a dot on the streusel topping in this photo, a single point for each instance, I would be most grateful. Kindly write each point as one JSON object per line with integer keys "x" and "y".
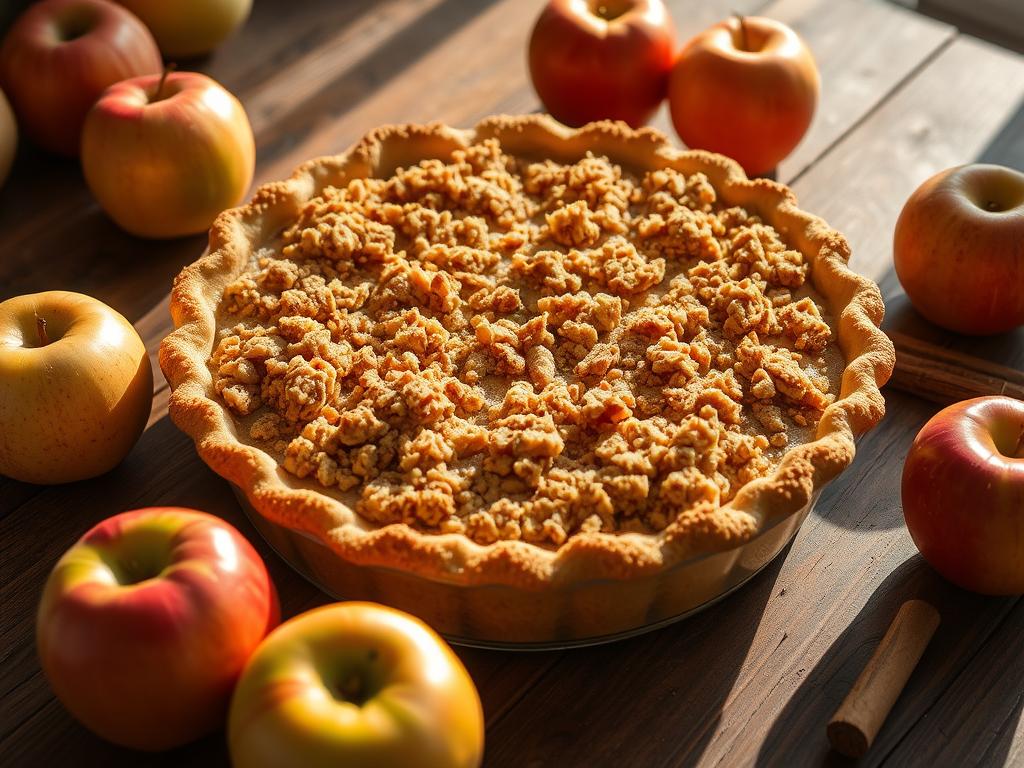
{"x": 512, "y": 349}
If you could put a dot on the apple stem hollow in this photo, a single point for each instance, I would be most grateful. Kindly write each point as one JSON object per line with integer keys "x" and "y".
{"x": 744, "y": 41}
{"x": 44, "y": 338}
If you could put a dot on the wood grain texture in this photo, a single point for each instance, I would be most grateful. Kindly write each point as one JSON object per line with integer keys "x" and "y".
{"x": 962, "y": 728}
{"x": 754, "y": 679}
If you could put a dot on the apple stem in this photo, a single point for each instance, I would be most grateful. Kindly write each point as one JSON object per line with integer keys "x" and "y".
{"x": 44, "y": 339}
{"x": 163, "y": 79}
{"x": 744, "y": 44}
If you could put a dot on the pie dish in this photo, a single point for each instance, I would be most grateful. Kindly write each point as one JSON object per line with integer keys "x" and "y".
{"x": 535, "y": 384}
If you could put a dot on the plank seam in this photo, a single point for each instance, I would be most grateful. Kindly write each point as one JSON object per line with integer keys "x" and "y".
{"x": 877, "y": 106}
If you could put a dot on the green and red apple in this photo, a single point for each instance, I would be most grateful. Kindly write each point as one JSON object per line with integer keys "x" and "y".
{"x": 963, "y": 494}
{"x": 60, "y": 55}
{"x": 958, "y": 249}
{"x": 147, "y": 621}
{"x": 187, "y": 28}
{"x": 355, "y": 684}
{"x": 164, "y": 154}
{"x": 76, "y": 387}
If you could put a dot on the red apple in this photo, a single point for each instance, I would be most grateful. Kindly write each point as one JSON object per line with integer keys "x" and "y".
{"x": 355, "y": 684}
{"x": 8, "y": 138}
{"x": 146, "y": 623}
{"x": 959, "y": 249}
{"x": 602, "y": 59}
{"x": 165, "y": 155}
{"x": 747, "y": 88}
{"x": 60, "y": 55}
{"x": 963, "y": 494}
{"x": 187, "y": 28}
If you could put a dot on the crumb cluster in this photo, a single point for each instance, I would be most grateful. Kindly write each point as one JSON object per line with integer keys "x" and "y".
{"x": 512, "y": 349}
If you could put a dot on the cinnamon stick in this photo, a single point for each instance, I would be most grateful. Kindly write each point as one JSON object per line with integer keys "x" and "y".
{"x": 944, "y": 376}
{"x": 860, "y": 716}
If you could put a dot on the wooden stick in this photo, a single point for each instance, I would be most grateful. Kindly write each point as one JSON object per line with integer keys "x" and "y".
{"x": 860, "y": 716}
{"x": 944, "y": 376}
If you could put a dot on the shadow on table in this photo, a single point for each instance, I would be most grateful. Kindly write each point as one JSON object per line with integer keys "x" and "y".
{"x": 652, "y": 700}
{"x": 797, "y": 737}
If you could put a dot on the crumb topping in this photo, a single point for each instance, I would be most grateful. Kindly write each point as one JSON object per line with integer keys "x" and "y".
{"x": 510, "y": 349}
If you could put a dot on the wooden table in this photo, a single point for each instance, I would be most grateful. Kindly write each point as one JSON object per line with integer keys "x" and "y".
{"x": 752, "y": 680}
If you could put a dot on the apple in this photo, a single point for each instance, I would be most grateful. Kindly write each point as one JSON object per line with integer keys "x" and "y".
{"x": 747, "y": 88}
{"x": 146, "y": 623}
{"x": 963, "y": 494}
{"x": 187, "y": 28}
{"x": 76, "y": 387}
{"x": 602, "y": 59}
{"x": 164, "y": 154}
{"x": 59, "y": 56}
{"x": 355, "y": 684}
{"x": 958, "y": 249}
{"x": 8, "y": 138}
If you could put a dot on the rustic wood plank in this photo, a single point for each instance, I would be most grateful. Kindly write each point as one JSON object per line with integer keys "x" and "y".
{"x": 958, "y": 730}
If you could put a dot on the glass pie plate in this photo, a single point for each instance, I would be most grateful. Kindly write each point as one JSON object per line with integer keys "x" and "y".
{"x": 514, "y": 618}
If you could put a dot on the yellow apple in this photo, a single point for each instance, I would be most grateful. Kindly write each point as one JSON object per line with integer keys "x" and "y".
{"x": 8, "y": 138}
{"x": 76, "y": 387}
{"x": 355, "y": 684}
{"x": 185, "y": 28}
{"x": 165, "y": 154}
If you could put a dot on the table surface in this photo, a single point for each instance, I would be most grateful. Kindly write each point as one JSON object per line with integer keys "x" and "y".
{"x": 752, "y": 680}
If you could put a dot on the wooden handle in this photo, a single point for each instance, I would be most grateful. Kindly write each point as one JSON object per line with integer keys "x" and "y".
{"x": 944, "y": 376}
{"x": 860, "y": 716}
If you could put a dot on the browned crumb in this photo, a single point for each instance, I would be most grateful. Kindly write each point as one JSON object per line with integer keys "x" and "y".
{"x": 525, "y": 350}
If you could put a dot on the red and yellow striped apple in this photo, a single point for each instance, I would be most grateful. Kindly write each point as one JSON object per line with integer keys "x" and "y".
{"x": 76, "y": 387}
{"x": 187, "y": 28}
{"x": 355, "y": 684}
{"x": 59, "y": 56}
{"x": 147, "y": 621}
{"x": 963, "y": 494}
{"x": 164, "y": 155}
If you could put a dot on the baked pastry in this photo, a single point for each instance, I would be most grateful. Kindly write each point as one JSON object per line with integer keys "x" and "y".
{"x": 524, "y": 357}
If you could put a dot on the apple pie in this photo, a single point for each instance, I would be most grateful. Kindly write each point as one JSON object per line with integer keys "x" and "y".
{"x": 526, "y": 358}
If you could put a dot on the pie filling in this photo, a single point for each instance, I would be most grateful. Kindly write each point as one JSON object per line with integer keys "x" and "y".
{"x": 513, "y": 349}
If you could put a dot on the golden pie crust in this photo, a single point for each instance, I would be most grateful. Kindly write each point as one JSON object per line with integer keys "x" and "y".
{"x": 525, "y": 355}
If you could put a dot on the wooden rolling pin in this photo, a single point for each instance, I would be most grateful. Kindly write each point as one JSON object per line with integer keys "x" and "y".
{"x": 944, "y": 376}
{"x": 860, "y": 716}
